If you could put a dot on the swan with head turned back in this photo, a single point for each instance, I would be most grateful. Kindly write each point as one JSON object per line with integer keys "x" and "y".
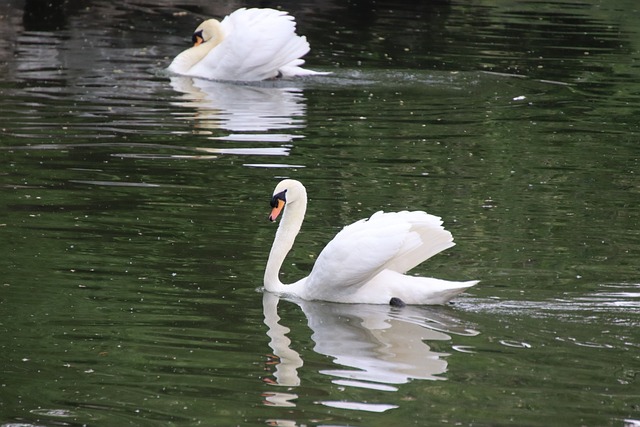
{"x": 247, "y": 45}
{"x": 366, "y": 261}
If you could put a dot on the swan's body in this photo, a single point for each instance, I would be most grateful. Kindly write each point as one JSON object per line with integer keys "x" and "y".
{"x": 366, "y": 261}
{"x": 248, "y": 45}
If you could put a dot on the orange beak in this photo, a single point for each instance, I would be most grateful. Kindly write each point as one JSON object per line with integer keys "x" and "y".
{"x": 276, "y": 211}
{"x": 198, "y": 41}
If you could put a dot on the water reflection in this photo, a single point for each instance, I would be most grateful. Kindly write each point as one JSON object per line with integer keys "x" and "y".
{"x": 242, "y": 107}
{"x": 375, "y": 347}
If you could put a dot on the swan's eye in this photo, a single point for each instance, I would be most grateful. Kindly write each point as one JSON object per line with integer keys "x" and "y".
{"x": 279, "y": 196}
{"x": 197, "y": 38}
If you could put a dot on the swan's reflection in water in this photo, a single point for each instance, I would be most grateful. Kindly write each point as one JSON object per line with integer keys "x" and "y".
{"x": 241, "y": 107}
{"x": 375, "y": 346}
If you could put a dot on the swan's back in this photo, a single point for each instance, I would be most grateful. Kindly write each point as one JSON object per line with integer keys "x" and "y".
{"x": 257, "y": 44}
{"x": 394, "y": 241}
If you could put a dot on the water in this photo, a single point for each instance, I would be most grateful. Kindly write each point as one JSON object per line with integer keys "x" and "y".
{"x": 134, "y": 206}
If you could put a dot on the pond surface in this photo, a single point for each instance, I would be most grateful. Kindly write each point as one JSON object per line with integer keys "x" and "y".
{"x": 134, "y": 206}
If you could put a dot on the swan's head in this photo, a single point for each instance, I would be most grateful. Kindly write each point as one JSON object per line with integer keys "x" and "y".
{"x": 209, "y": 30}
{"x": 287, "y": 192}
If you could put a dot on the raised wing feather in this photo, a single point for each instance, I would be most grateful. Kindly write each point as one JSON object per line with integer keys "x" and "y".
{"x": 396, "y": 241}
{"x": 427, "y": 238}
{"x": 257, "y": 43}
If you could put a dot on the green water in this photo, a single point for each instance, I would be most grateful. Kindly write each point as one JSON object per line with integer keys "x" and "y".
{"x": 134, "y": 226}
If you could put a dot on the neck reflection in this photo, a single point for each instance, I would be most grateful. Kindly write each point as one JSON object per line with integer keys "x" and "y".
{"x": 374, "y": 347}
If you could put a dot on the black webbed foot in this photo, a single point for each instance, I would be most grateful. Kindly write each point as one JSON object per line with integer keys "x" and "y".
{"x": 397, "y": 302}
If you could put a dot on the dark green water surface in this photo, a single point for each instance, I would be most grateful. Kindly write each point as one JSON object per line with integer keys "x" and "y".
{"x": 134, "y": 232}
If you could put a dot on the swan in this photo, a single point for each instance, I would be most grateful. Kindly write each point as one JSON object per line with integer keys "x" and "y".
{"x": 366, "y": 261}
{"x": 248, "y": 45}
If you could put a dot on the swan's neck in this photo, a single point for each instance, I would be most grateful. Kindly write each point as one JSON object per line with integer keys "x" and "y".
{"x": 190, "y": 57}
{"x": 290, "y": 224}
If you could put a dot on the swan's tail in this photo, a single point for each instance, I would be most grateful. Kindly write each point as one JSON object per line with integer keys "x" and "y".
{"x": 410, "y": 290}
{"x": 442, "y": 291}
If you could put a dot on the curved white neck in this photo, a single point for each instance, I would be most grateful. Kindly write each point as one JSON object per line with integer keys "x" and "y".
{"x": 190, "y": 57}
{"x": 288, "y": 229}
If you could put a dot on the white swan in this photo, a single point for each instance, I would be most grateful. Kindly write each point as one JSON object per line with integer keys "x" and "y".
{"x": 248, "y": 45}
{"x": 366, "y": 261}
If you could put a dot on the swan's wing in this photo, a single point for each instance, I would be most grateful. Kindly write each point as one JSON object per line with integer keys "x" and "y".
{"x": 426, "y": 238}
{"x": 257, "y": 43}
{"x": 396, "y": 241}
